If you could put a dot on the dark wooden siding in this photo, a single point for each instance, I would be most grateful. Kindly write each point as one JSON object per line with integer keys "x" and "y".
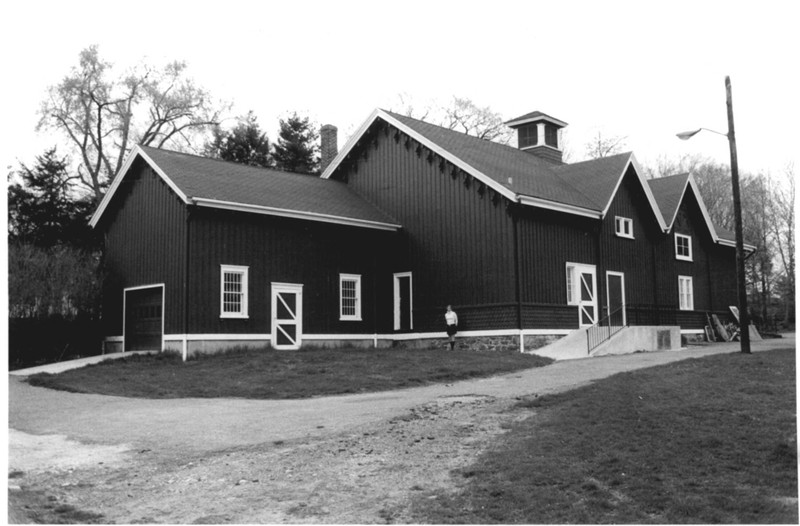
{"x": 548, "y": 240}
{"x": 145, "y": 230}
{"x": 457, "y": 233}
{"x": 635, "y": 258}
{"x": 284, "y": 250}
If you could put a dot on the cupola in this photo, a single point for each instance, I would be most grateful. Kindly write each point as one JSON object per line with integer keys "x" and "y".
{"x": 540, "y": 135}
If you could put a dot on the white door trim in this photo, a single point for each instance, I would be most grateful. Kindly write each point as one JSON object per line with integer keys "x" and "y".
{"x": 295, "y": 320}
{"x": 125, "y": 291}
{"x": 608, "y": 295}
{"x": 580, "y": 269}
{"x": 397, "y": 314}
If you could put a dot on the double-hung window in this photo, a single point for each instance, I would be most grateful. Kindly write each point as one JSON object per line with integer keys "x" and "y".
{"x": 623, "y": 226}
{"x": 683, "y": 247}
{"x": 233, "y": 291}
{"x": 685, "y": 293}
{"x": 350, "y": 297}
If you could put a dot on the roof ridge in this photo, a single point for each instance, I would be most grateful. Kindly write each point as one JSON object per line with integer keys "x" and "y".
{"x": 223, "y": 161}
{"x": 471, "y": 137}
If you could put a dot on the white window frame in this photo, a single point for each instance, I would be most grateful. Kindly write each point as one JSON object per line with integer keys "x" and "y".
{"x": 243, "y": 272}
{"x": 357, "y": 315}
{"x": 623, "y": 227}
{"x": 685, "y": 293}
{"x": 571, "y": 289}
{"x": 678, "y": 255}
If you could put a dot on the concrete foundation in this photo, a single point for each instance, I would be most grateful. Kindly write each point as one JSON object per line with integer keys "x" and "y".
{"x": 641, "y": 339}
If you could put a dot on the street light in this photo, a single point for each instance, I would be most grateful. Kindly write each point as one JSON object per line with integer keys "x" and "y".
{"x": 744, "y": 316}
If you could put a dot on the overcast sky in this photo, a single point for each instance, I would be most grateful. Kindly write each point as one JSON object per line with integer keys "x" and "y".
{"x": 644, "y": 70}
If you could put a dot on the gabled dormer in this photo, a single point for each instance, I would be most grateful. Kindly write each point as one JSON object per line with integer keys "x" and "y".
{"x": 540, "y": 135}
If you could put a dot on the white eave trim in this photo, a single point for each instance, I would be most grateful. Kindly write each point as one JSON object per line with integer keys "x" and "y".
{"x": 295, "y": 214}
{"x": 645, "y": 186}
{"x": 485, "y": 179}
{"x": 560, "y": 207}
{"x": 690, "y": 182}
{"x": 137, "y": 151}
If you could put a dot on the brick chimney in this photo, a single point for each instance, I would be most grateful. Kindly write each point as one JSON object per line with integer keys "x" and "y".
{"x": 328, "y": 145}
{"x": 540, "y": 135}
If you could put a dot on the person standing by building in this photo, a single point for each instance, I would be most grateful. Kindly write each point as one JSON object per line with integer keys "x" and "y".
{"x": 451, "y": 318}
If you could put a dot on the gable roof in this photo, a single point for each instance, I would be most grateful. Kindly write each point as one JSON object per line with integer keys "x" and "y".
{"x": 585, "y": 189}
{"x": 225, "y": 185}
{"x": 670, "y": 192}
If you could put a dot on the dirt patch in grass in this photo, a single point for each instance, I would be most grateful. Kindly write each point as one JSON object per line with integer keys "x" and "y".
{"x": 271, "y": 374}
{"x": 367, "y": 475}
{"x": 706, "y": 440}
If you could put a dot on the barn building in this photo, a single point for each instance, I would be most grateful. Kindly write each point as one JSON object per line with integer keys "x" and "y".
{"x": 407, "y": 218}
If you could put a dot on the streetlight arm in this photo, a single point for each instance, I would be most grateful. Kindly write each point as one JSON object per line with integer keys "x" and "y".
{"x": 685, "y": 136}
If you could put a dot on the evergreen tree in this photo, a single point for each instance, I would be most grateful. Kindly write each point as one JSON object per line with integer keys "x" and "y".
{"x": 297, "y": 149}
{"x": 42, "y": 211}
{"x": 245, "y": 144}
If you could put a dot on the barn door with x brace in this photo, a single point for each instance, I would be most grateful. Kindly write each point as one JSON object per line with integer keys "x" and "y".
{"x": 287, "y": 316}
{"x": 582, "y": 291}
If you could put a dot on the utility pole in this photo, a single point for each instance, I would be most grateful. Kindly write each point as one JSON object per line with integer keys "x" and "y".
{"x": 741, "y": 285}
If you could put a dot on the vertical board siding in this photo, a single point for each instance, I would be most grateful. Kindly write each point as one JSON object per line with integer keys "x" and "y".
{"x": 632, "y": 257}
{"x": 282, "y": 250}
{"x": 548, "y": 240}
{"x": 144, "y": 240}
{"x": 459, "y": 241}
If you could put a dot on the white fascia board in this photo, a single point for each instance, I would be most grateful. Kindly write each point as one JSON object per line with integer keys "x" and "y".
{"x": 296, "y": 214}
{"x": 645, "y": 186}
{"x": 137, "y": 151}
{"x": 477, "y": 174}
{"x": 553, "y": 120}
{"x": 560, "y": 207}
{"x": 349, "y": 145}
{"x": 729, "y": 243}
{"x": 690, "y": 182}
{"x": 680, "y": 200}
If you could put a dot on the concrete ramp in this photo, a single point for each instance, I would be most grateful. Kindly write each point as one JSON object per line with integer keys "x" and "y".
{"x": 643, "y": 338}
{"x": 571, "y": 347}
{"x": 629, "y": 340}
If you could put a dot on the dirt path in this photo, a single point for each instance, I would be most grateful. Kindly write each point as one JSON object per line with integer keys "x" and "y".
{"x": 345, "y": 459}
{"x": 370, "y": 474}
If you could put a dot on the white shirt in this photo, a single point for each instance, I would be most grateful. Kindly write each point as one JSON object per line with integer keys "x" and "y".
{"x": 451, "y": 318}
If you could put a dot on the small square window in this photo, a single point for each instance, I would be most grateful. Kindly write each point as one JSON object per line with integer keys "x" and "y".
{"x": 350, "y": 297}
{"x": 685, "y": 293}
{"x": 683, "y": 247}
{"x": 623, "y": 227}
{"x": 233, "y": 291}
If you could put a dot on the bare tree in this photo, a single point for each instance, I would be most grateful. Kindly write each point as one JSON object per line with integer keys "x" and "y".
{"x": 782, "y": 225}
{"x": 102, "y": 117}
{"x": 604, "y": 146}
{"x": 461, "y": 114}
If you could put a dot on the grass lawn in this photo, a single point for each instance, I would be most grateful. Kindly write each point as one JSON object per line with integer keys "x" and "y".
{"x": 708, "y": 440}
{"x": 282, "y": 374}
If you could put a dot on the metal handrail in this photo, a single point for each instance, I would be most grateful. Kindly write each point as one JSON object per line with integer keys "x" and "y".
{"x": 603, "y": 330}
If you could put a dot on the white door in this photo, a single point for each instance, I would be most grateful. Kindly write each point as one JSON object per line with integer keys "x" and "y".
{"x": 587, "y": 294}
{"x": 287, "y": 316}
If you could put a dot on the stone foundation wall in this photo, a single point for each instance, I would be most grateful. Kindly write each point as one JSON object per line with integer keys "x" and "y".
{"x": 465, "y": 343}
{"x": 480, "y": 343}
